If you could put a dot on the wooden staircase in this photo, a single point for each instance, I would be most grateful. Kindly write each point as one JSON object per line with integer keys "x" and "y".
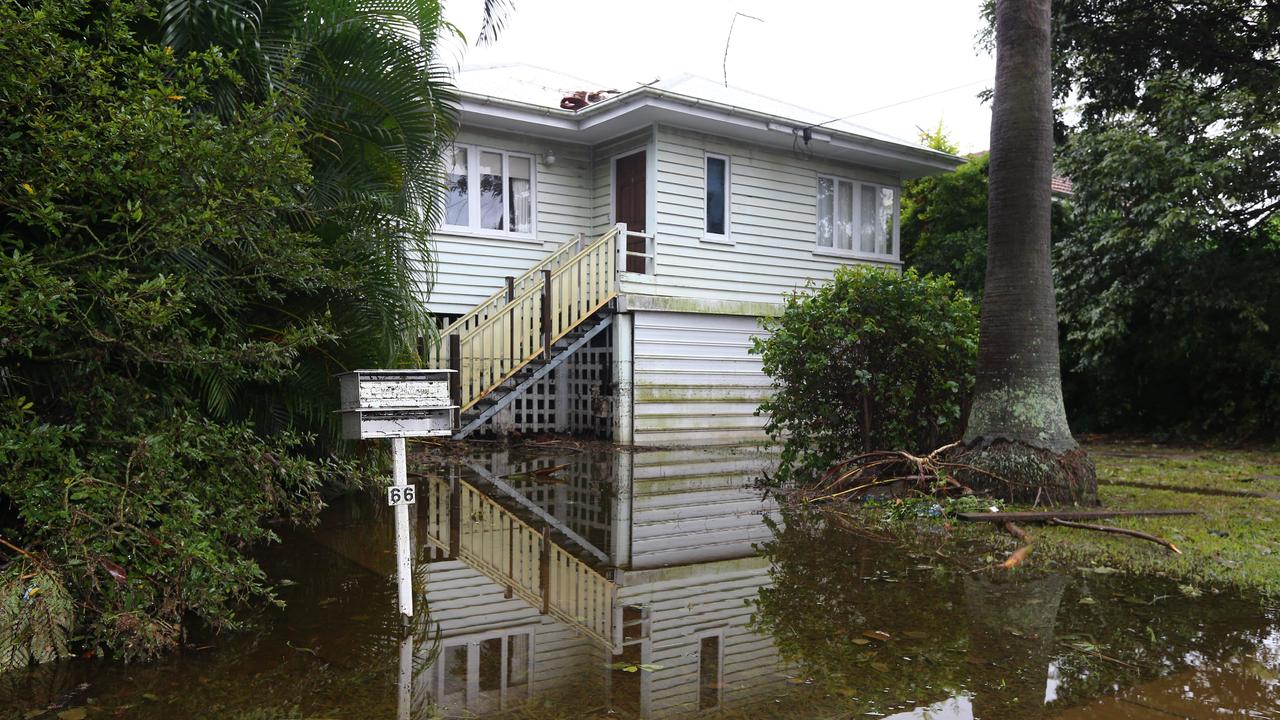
{"x": 518, "y": 335}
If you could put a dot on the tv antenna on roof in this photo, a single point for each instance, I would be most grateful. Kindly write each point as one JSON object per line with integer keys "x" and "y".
{"x": 724, "y": 64}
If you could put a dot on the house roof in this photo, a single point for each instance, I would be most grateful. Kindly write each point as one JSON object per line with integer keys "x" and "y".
{"x": 526, "y": 99}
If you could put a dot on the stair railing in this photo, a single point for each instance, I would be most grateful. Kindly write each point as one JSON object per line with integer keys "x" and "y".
{"x": 527, "y": 325}
{"x": 516, "y": 285}
{"x": 473, "y": 528}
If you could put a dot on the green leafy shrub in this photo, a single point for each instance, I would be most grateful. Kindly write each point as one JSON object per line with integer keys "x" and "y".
{"x": 157, "y": 276}
{"x": 874, "y": 359}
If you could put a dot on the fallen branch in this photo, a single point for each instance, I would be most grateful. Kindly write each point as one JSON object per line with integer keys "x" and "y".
{"x": 1117, "y": 531}
{"x": 1017, "y": 532}
{"x": 1017, "y": 556}
{"x": 1049, "y": 515}
{"x": 546, "y": 473}
{"x": 15, "y": 548}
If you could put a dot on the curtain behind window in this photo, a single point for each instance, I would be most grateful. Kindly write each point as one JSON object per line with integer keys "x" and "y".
{"x": 520, "y": 210}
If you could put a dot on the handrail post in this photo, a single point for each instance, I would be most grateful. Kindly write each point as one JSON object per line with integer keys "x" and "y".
{"x": 544, "y": 562}
{"x": 546, "y": 315}
{"x": 511, "y": 326}
{"x": 621, "y": 241}
{"x": 511, "y": 558}
{"x": 455, "y": 517}
{"x": 455, "y": 378}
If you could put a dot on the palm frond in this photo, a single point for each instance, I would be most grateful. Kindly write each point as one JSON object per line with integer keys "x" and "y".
{"x": 495, "y": 16}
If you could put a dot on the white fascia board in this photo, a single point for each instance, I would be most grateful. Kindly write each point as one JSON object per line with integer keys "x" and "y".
{"x": 593, "y": 124}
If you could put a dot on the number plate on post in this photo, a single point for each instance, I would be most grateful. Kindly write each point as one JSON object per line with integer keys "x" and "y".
{"x": 401, "y": 495}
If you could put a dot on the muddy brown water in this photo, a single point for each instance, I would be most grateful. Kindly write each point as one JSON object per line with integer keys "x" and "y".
{"x": 728, "y": 607}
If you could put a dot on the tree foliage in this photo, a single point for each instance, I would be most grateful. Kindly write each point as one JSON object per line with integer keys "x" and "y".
{"x": 874, "y": 359}
{"x": 1168, "y": 290}
{"x": 944, "y": 224}
{"x": 163, "y": 267}
{"x": 376, "y": 110}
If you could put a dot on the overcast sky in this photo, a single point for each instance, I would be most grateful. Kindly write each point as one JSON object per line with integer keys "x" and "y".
{"x": 841, "y": 57}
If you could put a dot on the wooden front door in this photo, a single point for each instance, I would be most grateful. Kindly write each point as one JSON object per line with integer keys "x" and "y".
{"x": 629, "y": 205}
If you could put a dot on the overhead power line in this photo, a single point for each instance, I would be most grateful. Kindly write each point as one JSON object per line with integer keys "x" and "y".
{"x": 900, "y": 102}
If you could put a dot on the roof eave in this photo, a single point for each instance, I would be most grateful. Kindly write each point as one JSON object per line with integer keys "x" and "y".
{"x": 925, "y": 160}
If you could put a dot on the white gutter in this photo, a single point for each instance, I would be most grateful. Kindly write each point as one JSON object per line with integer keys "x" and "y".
{"x": 585, "y": 118}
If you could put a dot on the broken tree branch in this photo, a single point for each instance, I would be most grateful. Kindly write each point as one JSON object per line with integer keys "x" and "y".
{"x": 1017, "y": 556}
{"x": 1118, "y": 531}
{"x": 1046, "y": 516}
{"x": 1017, "y": 532}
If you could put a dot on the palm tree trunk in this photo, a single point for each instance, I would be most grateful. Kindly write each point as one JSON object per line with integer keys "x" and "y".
{"x": 1018, "y": 395}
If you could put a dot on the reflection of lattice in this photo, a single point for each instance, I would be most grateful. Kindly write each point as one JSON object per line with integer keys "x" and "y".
{"x": 583, "y": 497}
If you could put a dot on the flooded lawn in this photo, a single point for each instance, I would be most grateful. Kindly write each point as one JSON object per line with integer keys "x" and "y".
{"x": 559, "y": 584}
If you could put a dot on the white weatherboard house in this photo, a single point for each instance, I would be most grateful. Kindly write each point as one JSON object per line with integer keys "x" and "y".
{"x": 603, "y": 269}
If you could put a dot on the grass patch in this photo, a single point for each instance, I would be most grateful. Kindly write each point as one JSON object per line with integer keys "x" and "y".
{"x": 1233, "y": 543}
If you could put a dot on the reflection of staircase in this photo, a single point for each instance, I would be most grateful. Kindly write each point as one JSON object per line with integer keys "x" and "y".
{"x": 474, "y": 528}
{"x": 519, "y": 334}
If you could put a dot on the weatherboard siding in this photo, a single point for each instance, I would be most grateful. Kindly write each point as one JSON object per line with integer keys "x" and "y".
{"x": 695, "y": 381}
{"x": 696, "y": 506}
{"x": 462, "y": 603}
{"x": 772, "y": 221}
{"x": 690, "y": 602}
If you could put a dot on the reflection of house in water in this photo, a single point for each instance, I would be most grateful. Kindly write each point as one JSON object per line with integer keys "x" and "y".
{"x": 645, "y": 564}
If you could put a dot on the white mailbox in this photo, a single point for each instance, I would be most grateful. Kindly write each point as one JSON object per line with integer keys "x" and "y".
{"x": 396, "y": 403}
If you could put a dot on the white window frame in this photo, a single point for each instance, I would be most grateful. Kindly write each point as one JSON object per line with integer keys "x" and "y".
{"x": 472, "y": 227}
{"x": 727, "y": 237}
{"x": 857, "y": 214}
{"x": 718, "y": 634}
{"x": 472, "y": 686}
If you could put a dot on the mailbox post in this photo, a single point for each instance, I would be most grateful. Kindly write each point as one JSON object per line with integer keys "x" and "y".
{"x": 397, "y": 404}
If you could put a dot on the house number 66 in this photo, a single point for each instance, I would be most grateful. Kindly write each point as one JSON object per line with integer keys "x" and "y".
{"x": 401, "y": 495}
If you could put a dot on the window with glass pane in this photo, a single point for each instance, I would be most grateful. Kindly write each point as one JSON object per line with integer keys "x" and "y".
{"x": 709, "y": 672}
{"x": 457, "y": 206}
{"x": 491, "y": 205}
{"x": 455, "y": 671}
{"x": 716, "y": 181}
{"x": 888, "y": 196}
{"x": 517, "y": 665}
{"x": 490, "y": 664}
{"x": 856, "y": 217}
{"x": 520, "y": 209}
{"x": 826, "y": 211}
{"x": 867, "y": 230}
{"x": 844, "y": 216}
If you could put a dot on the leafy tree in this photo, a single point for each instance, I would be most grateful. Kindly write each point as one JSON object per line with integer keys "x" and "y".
{"x": 1168, "y": 289}
{"x": 149, "y": 251}
{"x": 944, "y": 224}
{"x": 1017, "y": 426}
{"x": 873, "y": 359}
{"x": 377, "y": 110}
{"x": 944, "y": 221}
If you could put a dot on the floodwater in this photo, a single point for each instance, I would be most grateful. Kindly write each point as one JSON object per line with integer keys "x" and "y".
{"x": 727, "y": 607}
